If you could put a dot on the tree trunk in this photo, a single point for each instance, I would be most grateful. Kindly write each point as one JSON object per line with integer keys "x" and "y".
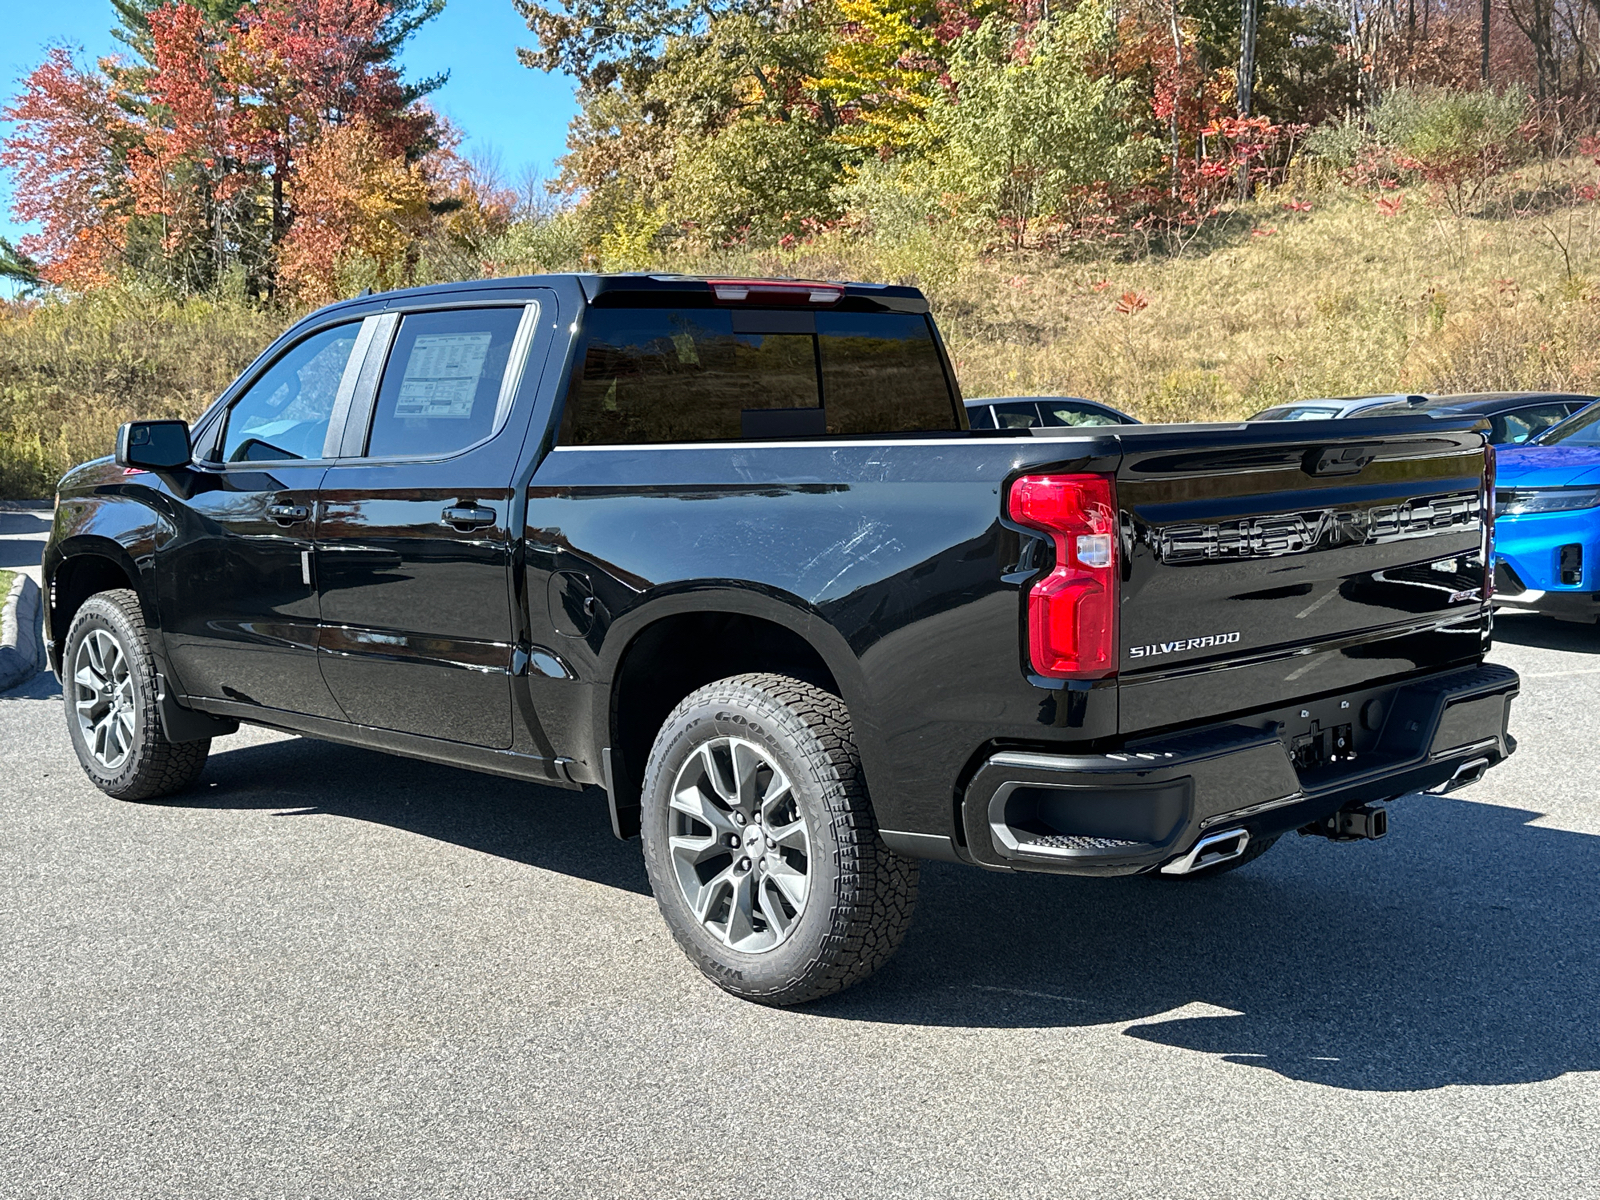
{"x": 1483, "y": 39}
{"x": 1177, "y": 82}
{"x": 1249, "y": 18}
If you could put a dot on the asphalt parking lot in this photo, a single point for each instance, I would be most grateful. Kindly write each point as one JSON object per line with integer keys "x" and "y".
{"x": 328, "y": 973}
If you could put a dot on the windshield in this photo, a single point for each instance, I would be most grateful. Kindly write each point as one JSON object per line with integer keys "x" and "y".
{"x": 1297, "y": 412}
{"x": 1580, "y": 429}
{"x": 1065, "y": 412}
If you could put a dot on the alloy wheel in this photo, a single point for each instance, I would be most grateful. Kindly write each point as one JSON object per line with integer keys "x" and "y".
{"x": 103, "y": 697}
{"x": 739, "y": 846}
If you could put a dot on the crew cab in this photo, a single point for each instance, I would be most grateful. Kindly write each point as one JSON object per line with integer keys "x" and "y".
{"x": 729, "y": 550}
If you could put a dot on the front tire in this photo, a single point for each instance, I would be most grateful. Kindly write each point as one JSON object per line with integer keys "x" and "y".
{"x": 761, "y": 845}
{"x": 109, "y": 687}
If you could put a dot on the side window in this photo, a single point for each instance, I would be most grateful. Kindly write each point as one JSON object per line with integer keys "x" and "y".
{"x": 284, "y": 414}
{"x": 1017, "y": 415}
{"x": 1058, "y": 413}
{"x": 980, "y": 416}
{"x": 1517, "y": 427}
{"x": 881, "y": 373}
{"x": 441, "y": 384}
{"x": 662, "y": 375}
{"x": 691, "y": 375}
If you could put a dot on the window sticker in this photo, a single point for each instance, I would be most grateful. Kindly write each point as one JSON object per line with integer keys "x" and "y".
{"x": 441, "y": 376}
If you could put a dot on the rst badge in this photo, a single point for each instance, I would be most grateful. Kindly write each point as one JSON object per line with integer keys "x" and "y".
{"x": 1199, "y": 643}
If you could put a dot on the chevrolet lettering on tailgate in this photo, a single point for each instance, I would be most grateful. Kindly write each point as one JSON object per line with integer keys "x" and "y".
{"x": 1296, "y": 533}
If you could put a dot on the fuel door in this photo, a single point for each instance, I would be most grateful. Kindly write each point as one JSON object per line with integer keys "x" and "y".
{"x": 572, "y": 603}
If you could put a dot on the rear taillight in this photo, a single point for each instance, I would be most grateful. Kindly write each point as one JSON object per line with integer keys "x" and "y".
{"x": 1488, "y": 520}
{"x": 1072, "y": 611}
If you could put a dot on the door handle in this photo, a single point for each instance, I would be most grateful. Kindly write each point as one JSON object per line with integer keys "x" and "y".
{"x": 288, "y": 514}
{"x": 468, "y": 516}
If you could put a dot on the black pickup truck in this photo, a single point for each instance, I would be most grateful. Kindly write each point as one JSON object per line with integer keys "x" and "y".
{"x": 728, "y": 549}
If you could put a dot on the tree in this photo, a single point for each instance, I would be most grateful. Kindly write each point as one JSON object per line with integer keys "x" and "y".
{"x": 188, "y": 173}
{"x": 181, "y": 162}
{"x": 359, "y": 210}
{"x": 1029, "y": 132}
{"x": 66, "y": 155}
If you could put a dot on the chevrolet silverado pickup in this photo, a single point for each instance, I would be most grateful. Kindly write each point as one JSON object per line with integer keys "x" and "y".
{"x": 729, "y": 550}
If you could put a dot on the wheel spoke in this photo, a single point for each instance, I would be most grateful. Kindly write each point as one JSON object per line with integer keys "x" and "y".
{"x": 791, "y": 836}
{"x": 777, "y": 795}
{"x": 710, "y": 892}
{"x": 693, "y": 802}
{"x": 795, "y": 885}
{"x": 747, "y": 763}
{"x": 116, "y": 664}
{"x": 778, "y": 920}
{"x": 718, "y": 775}
{"x": 695, "y": 849}
{"x": 86, "y": 678}
{"x": 741, "y": 913}
{"x": 96, "y": 654}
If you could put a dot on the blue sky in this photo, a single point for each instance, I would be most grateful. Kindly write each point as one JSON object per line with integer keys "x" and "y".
{"x": 504, "y": 108}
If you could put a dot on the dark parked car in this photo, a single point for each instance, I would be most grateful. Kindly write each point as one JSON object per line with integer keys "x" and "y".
{"x": 728, "y": 549}
{"x": 1514, "y": 417}
{"x": 1042, "y": 412}
{"x": 1330, "y": 407}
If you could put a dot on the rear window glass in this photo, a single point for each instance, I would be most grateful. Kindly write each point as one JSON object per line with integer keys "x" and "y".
{"x": 881, "y": 373}
{"x": 441, "y": 385}
{"x": 1017, "y": 415}
{"x": 666, "y": 375}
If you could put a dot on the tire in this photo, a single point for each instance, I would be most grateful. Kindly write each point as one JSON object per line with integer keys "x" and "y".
{"x": 1253, "y": 851}
{"x": 108, "y": 686}
{"x": 820, "y": 902}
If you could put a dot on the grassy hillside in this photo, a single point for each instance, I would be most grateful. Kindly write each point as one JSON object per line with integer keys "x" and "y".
{"x": 71, "y": 372}
{"x": 1274, "y": 305}
{"x": 1267, "y": 304}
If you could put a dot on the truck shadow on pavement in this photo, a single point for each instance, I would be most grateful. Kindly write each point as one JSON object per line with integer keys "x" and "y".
{"x": 549, "y": 828}
{"x": 1462, "y": 949}
{"x": 1547, "y": 633}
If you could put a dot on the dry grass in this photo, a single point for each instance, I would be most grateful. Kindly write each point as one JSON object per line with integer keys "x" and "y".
{"x": 71, "y": 372}
{"x": 1341, "y": 300}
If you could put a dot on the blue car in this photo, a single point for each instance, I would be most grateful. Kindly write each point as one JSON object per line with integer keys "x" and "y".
{"x": 1547, "y": 521}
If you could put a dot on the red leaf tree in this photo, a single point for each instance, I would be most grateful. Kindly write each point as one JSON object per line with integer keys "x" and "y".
{"x": 66, "y": 158}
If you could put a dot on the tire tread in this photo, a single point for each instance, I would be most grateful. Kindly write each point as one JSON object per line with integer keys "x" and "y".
{"x": 877, "y": 888}
{"x": 158, "y": 768}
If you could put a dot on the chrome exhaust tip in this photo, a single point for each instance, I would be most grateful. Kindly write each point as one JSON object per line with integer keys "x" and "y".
{"x": 1210, "y": 850}
{"x": 1468, "y": 772}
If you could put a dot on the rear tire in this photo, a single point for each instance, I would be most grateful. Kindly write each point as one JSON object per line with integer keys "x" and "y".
{"x": 761, "y": 844}
{"x": 109, "y": 688}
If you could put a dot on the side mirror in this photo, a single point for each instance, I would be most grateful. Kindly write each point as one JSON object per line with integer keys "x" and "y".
{"x": 153, "y": 445}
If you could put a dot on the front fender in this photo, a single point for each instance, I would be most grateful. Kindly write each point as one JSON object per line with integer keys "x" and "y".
{"x": 118, "y": 530}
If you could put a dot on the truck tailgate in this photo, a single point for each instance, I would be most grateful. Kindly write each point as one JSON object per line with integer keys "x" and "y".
{"x": 1270, "y": 562}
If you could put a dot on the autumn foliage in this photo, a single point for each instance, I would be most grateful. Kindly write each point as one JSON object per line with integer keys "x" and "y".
{"x": 66, "y": 163}
{"x": 279, "y": 145}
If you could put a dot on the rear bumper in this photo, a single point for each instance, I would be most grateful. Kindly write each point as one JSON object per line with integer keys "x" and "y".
{"x": 1134, "y": 811}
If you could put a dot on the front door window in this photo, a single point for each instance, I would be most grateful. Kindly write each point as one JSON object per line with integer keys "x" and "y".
{"x": 285, "y": 413}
